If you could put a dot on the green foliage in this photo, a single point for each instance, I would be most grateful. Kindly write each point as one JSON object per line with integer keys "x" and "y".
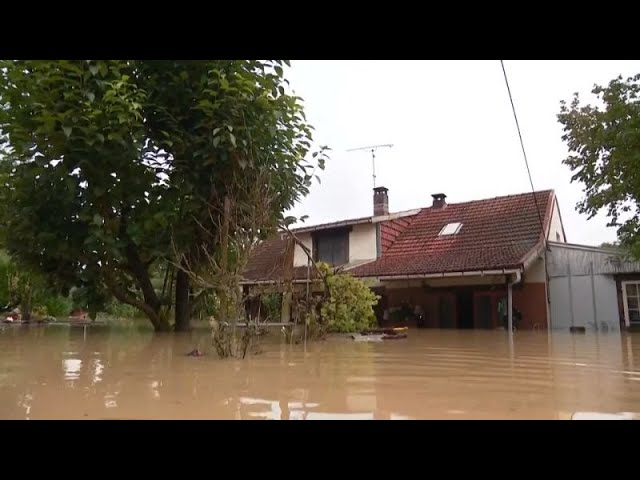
{"x": 121, "y": 310}
{"x": 227, "y": 120}
{"x": 204, "y": 305}
{"x": 16, "y": 284}
{"x": 54, "y": 305}
{"x": 604, "y": 146}
{"x": 4, "y": 279}
{"x": 105, "y": 165}
{"x": 93, "y": 298}
{"x": 349, "y": 303}
{"x": 272, "y": 305}
{"x": 77, "y": 180}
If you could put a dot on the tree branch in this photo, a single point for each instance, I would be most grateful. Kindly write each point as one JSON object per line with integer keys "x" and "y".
{"x": 122, "y": 296}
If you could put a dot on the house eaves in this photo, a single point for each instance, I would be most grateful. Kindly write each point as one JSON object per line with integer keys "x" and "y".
{"x": 328, "y": 226}
{"x": 478, "y": 273}
{"x": 393, "y": 216}
{"x": 356, "y": 221}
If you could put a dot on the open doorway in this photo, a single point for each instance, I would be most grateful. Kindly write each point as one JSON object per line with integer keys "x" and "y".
{"x": 465, "y": 308}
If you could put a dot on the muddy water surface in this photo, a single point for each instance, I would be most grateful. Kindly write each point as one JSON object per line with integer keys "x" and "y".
{"x": 62, "y": 373}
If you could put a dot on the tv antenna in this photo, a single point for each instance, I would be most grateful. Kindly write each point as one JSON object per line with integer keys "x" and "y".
{"x": 373, "y": 149}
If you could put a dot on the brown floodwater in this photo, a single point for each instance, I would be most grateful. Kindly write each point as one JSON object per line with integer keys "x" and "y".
{"x": 68, "y": 373}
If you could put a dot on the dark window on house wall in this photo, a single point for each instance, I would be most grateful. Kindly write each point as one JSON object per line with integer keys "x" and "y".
{"x": 331, "y": 247}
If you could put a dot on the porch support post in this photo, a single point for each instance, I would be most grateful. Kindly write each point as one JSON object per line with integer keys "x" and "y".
{"x": 285, "y": 315}
{"x": 510, "y": 306}
{"x": 287, "y": 295}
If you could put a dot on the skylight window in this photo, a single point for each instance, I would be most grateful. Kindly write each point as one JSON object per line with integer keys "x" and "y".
{"x": 450, "y": 229}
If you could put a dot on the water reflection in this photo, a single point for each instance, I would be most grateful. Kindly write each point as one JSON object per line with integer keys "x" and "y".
{"x": 71, "y": 368}
{"x": 604, "y": 416}
{"x": 98, "y": 368}
{"x": 155, "y": 389}
{"x": 433, "y": 374}
{"x": 297, "y": 411}
{"x": 110, "y": 400}
{"x": 340, "y": 416}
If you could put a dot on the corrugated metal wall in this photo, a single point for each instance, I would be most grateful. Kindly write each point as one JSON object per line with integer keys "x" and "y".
{"x": 582, "y": 288}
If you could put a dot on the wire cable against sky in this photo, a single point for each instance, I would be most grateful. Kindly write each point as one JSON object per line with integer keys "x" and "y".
{"x": 524, "y": 153}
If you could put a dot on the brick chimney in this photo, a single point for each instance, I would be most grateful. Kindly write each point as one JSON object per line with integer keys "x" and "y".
{"x": 380, "y": 201}
{"x": 439, "y": 200}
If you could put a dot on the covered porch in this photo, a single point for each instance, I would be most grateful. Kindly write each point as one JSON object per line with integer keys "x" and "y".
{"x": 465, "y": 300}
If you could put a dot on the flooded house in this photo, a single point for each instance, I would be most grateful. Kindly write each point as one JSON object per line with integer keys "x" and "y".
{"x": 463, "y": 265}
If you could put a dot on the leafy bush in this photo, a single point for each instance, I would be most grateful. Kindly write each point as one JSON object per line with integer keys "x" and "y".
{"x": 123, "y": 310}
{"x": 348, "y": 306}
{"x": 272, "y": 304}
{"x": 54, "y": 305}
{"x": 4, "y": 281}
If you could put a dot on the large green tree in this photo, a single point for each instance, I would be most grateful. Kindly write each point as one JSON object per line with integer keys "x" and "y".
{"x": 109, "y": 164}
{"x": 82, "y": 205}
{"x": 604, "y": 154}
{"x": 221, "y": 120}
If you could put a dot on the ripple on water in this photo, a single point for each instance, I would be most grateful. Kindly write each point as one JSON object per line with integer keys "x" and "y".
{"x": 432, "y": 374}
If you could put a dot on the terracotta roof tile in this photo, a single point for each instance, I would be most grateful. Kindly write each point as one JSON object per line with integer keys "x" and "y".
{"x": 390, "y": 230}
{"x": 266, "y": 263}
{"x": 267, "y": 260}
{"x": 495, "y": 233}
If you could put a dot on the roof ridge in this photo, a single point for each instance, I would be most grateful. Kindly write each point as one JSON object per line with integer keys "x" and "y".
{"x": 499, "y": 197}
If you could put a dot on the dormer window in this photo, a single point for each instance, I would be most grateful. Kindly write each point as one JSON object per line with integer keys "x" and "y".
{"x": 331, "y": 246}
{"x": 450, "y": 229}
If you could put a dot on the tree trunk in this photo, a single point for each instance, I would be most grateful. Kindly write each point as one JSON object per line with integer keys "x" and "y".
{"x": 161, "y": 325}
{"x": 183, "y": 312}
{"x": 160, "y": 322}
{"x": 25, "y": 308}
{"x": 143, "y": 279}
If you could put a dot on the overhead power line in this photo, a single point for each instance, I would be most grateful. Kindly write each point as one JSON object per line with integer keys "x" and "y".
{"x": 524, "y": 153}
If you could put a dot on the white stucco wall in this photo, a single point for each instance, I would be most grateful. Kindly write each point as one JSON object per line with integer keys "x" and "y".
{"x": 299, "y": 257}
{"x": 535, "y": 272}
{"x": 556, "y": 233}
{"x": 362, "y": 242}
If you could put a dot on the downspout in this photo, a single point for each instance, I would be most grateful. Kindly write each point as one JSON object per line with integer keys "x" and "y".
{"x": 510, "y": 284}
{"x": 570, "y": 293}
{"x": 547, "y": 292}
{"x": 545, "y": 245}
{"x": 593, "y": 298}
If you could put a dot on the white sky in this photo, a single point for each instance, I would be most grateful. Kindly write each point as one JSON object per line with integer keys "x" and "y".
{"x": 453, "y": 131}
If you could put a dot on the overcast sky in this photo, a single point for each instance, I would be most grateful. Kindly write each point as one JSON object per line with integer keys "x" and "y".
{"x": 452, "y": 129}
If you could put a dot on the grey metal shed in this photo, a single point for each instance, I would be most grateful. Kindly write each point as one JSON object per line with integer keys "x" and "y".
{"x": 582, "y": 286}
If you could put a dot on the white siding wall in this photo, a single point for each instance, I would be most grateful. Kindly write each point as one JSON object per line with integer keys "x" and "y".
{"x": 583, "y": 289}
{"x": 535, "y": 272}
{"x": 572, "y": 302}
{"x": 299, "y": 257}
{"x": 556, "y": 232}
{"x": 362, "y": 242}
